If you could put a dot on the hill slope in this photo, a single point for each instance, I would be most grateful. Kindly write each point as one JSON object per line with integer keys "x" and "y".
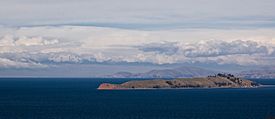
{"x": 224, "y": 81}
{"x": 262, "y": 73}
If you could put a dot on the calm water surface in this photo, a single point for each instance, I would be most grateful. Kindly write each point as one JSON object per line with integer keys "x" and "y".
{"x": 74, "y": 98}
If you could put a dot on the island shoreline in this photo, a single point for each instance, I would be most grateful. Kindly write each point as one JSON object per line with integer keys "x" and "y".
{"x": 219, "y": 81}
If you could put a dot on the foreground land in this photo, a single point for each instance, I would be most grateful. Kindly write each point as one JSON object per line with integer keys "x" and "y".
{"x": 217, "y": 81}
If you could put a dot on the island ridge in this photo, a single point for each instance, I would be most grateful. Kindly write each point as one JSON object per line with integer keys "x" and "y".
{"x": 216, "y": 81}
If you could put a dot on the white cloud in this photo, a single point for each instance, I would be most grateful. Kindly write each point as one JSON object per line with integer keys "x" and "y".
{"x": 6, "y": 63}
{"x": 34, "y": 41}
{"x": 218, "y": 48}
{"x": 77, "y": 44}
{"x": 9, "y": 40}
{"x": 239, "y": 52}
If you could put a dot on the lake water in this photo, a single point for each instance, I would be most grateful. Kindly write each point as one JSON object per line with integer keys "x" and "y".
{"x": 76, "y": 98}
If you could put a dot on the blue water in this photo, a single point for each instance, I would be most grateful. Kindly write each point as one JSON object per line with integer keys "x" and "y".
{"x": 79, "y": 99}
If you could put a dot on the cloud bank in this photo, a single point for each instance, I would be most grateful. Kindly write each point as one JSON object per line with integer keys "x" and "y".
{"x": 42, "y": 47}
{"x": 212, "y": 48}
{"x": 140, "y": 14}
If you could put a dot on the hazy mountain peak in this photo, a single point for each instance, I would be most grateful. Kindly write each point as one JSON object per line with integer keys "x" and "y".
{"x": 180, "y": 72}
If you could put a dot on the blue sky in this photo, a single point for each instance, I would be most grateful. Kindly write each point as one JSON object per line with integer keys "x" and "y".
{"x": 46, "y": 36}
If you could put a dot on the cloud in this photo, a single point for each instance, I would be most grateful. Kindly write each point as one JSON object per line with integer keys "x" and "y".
{"x": 212, "y": 48}
{"x": 52, "y": 46}
{"x": 9, "y": 40}
{"x": 6, "y": 63}
{"x": 170, "y": 14}
{"x": 241, "y": 52}
{"x": 168, "y": 48}
{"x": 219, "y": 48}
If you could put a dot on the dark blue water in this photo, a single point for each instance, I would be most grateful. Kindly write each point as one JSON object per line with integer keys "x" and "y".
{"x": 79, "y": 99}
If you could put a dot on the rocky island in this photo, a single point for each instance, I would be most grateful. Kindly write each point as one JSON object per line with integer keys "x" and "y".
{"x": 216, "y": 81}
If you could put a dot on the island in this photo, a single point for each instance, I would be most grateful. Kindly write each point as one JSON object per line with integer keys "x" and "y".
{"x": 216, "y": 81}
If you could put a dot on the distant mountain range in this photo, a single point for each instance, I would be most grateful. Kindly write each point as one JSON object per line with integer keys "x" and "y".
{"x": 189, "y": 72}
{"x": 262, "y": 73}
{"x": 181, "y": 72}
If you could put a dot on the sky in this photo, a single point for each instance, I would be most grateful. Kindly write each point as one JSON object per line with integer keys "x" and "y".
{"x": 98, "y": 37}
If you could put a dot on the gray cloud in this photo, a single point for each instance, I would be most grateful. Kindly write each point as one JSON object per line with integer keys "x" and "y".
{"x": 211, "y": 48}
{"x": 141, "y": 14}
{"x": 219, "y": 48}
{"x": 167, "y": 48}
